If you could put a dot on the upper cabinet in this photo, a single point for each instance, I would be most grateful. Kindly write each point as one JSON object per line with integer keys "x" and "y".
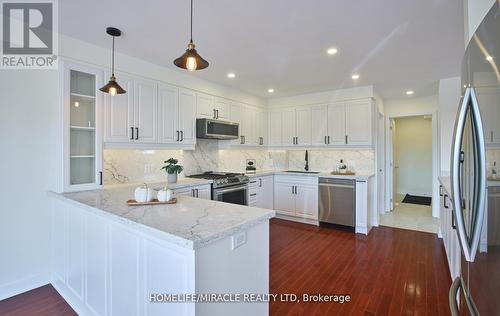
{"x": 82, "y": 133}
{"x": 490, "y": 113}
{"x": 251, "y": 122}
{"x": 176, "y": 115}
{"x": 132, "y": 117}
{"x": 337, "y": 124}
{"x": 358, "y": 122}
{"x": 212, "y": 107}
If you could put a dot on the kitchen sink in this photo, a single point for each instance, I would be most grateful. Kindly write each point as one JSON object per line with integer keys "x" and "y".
{"x": 298, "y": 171}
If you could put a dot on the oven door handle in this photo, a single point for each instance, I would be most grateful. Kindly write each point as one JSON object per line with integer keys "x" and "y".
{"x": 234, "y": 189}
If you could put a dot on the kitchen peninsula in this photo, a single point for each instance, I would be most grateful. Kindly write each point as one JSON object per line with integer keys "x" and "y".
{"x": 110, "y": 258}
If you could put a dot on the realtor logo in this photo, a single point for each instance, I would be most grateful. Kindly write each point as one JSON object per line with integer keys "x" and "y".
{"x": 29, "y": 35}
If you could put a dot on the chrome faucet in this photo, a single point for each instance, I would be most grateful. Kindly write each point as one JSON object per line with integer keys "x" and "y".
{"x": 306, "y": 168}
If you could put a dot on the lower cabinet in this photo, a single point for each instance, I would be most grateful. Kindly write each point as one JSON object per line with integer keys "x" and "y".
{"x": 201, "y": 191}
{"x": 261, "y": 192}
{"x": 296, "y": 196}
{"x": 449, "y": 234}
{"x": 102, "y": 267}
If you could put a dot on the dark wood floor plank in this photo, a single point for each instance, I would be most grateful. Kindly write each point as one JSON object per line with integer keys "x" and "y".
{"x": 43, "y": 301}
{"x": 389, "y": 272}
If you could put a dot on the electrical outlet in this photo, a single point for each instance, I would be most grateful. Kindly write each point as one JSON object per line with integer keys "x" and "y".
{"x": 148, "y": 168}
{"x": 238, "y": 240}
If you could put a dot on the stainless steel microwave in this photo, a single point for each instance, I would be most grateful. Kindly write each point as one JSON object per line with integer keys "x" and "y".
{"x": 216, "y": 129}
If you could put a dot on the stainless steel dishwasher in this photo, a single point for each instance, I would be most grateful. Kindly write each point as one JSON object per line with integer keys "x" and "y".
{"x": 337, "y": 201}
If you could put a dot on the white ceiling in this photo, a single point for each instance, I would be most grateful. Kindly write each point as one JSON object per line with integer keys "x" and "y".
{"x": 395, "y": 45}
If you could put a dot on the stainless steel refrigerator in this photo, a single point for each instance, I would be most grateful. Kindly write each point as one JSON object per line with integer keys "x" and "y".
{"x": 475, "y": 193}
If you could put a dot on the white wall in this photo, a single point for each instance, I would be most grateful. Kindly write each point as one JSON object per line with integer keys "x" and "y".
{"x": 30, "y": 122}
{"x": 411, "y": 106}
{"x": 449, "y": 98}
{"x": 28, "y": 112}
{"x": 413, "y": 155}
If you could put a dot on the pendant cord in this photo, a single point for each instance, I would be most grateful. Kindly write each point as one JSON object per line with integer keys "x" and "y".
{"x": 191, "y": 21}
{"x": 113, "y": 58}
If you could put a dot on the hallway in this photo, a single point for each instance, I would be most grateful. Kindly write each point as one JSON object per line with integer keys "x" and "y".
{"x": 410, "y": 216}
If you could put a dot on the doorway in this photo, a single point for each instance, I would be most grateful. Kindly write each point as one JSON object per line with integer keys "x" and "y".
{"x": 411, "y": 154}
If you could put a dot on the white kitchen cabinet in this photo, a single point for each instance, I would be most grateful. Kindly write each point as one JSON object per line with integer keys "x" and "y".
{"x": 288, "y": 127}
{"x": 261, "y": 126}
{"x": 145, "y": 111}
{"x": 250, "y": 131}
{"x": 275, "y": 128}
{"x": 251, "y": 124}
{"x": 176, "y": 115}
{"x": 490, "y": 113}
{"x": 119, "y": 113}
{"x": 212, "y": 107}
{"x": 187, "y": 116}
{"x": 296, "y": 196}
{"x": 303, "y": 126}
{"x": 319, "y": 122}
{"x": 358, "y": 122}
{"x": 200, "y": 191}
{"x": 223, "y": 108}
{"x": 336, "y": 124}
{"x": 82, "y": 127}
{"x": 284, "y": 198}
{"x": 205, "y": 107}
{"x": 306, "y": 201}
{"x": 261, "y": 192}
{"x": 132, "y": 117}
{"x": 449, "y": 234}
{"x": 168, "y": 114}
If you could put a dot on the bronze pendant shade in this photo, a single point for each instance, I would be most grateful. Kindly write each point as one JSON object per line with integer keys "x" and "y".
{"x": 191, "y": 60}
{"x": 112, "y": 87}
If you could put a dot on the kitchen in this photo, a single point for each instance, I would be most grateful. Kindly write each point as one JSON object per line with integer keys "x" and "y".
{"x": 165, "y": 175}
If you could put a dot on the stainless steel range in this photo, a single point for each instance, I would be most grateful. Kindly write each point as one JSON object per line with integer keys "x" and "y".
{"x": 227, "y": 186}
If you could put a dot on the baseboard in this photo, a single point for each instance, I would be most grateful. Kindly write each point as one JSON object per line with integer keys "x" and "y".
{"x": 23, "y": 285}
{"x": 298, "y": 219}
{"x": 76, "y": 304}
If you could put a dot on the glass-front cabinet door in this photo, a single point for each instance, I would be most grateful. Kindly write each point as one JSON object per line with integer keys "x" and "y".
{"x": 83, "y": 128}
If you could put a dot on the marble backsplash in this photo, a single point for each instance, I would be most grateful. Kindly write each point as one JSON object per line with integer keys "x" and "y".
{"x": 133, "y": 166}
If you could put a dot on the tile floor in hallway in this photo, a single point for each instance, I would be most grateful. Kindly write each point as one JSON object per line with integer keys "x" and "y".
{"x": 410, "y": 216}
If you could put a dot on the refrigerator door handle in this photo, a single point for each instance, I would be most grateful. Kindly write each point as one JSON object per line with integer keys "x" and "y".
{"x": 469, "y": 244}
{"x": 452, "y": 296}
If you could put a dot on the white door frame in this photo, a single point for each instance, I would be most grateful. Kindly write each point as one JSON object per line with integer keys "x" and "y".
{"x": 435, "y": 159}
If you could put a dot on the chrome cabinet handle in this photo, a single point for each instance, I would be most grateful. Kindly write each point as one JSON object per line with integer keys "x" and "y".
{"x": 469, "y": 105}
{"x": 215, "y": 115}
{"x": 260, "y": 183}
{"x": 182, "y": 136}
{"x": 444, "y": 201}
{"x": 178, "y": 133}
{"x": 253, "y": 194}
{"x": 328, "y": 140}
{"x": 100, "y": 177}
{"x": 346, "y": 139}
{"x": 197, "y": 193}
{"x": 132, "y": 133}
{"x": 440, "y": 190}
{"x": 137, "y": 133}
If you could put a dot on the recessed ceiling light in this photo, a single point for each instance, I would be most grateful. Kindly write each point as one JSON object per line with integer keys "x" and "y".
{"x": 409, "y": 92}
{"x": 77, "y": 104}
{"x": 231, "y": 75}
{"x": 489, "y": 58}
{"x": 332, "y": 51}
{"x": 270, "y": 90}
{"x": 355, "y": 77}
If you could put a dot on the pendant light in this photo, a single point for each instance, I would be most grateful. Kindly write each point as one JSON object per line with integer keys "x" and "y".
{"x": 112, "y": 87}
{"x": 191, "y": 60}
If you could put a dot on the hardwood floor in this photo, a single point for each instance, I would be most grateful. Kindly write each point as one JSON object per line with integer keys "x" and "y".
{"x": 43, "y": 301}
{"x": 390, "y": 272}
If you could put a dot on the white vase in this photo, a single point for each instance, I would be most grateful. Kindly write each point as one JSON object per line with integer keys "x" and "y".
{"x": 172, "y": 177}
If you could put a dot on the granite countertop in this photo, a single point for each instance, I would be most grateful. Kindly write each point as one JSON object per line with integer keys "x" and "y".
{"x": 359, "y": 177}
{"x": 191, "y": 223}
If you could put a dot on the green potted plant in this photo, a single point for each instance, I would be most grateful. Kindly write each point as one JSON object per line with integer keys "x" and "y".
{"x": 172, "y": 169}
